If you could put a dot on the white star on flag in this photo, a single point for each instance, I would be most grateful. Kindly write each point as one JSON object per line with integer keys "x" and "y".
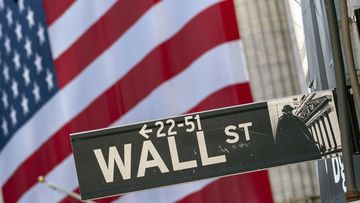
{"x": 49, "y": 80}
{"x": 26, "y": 75}
{"x": 13, "y": 116}
{"x": 6, "y": 73}
{"x": 4, "y": 126}
{"x": 28, "y": 47}
{"x": 38, "y": 63}
{"x": 16, "y": 60}
{"x": 21, "y": 5}
{"x": 4, "y": 99}
{"x": 30, "y": 18}
{"x": 24, "y": 104}
{"x": 40, "y": 34}
{"x": 14, "y": 88}
{"x": 1, "y": 4}
{"x": 7, "y": 45}
{"x": 36, "y": 92}
{"x": 9, "y": 17}
{"x": 18, "y": 31}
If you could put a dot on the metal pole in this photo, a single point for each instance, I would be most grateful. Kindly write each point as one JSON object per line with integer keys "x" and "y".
{"x": 1, "y": 196}
{"x": 343, "y": 104}
{"x": 41, "y": 179}
{"x": 348, "y": 53}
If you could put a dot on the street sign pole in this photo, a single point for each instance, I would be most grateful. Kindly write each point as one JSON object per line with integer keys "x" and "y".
{"x": 343, "y": 104}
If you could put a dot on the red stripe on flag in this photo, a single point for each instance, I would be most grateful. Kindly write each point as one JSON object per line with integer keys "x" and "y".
{"x": 251, "y": 187}
{"x": 70, "y": 199}
{"x": 99, "y": 37}
{"x": 108, "y": 199}
{"x": 227, "y": 96}
{"x": 54, "y": 9}
{"x": 111, "y": 105}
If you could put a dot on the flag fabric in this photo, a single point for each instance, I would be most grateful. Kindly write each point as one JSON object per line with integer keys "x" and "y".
{"x": 70, "y": 66}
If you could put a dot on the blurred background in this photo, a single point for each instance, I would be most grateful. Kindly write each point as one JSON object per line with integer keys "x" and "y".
{"x": 69, "y": 66}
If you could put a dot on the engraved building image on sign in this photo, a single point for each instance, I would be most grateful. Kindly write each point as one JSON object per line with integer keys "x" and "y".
{"x": 308, "y": 121}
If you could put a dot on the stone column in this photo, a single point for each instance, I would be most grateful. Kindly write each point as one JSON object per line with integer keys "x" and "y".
{"x": 275, "y": 71}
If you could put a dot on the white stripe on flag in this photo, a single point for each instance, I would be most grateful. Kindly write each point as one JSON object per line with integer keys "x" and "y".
{"x": 64, "y": 176}
{"x": 214, "y": 70}
{"x": 105, "y": 70}
{"x": 79, "y": 18}
{"x": 165, "y": 195}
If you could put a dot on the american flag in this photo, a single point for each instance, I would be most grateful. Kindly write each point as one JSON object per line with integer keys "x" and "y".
{"x": 70, "y": 66}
